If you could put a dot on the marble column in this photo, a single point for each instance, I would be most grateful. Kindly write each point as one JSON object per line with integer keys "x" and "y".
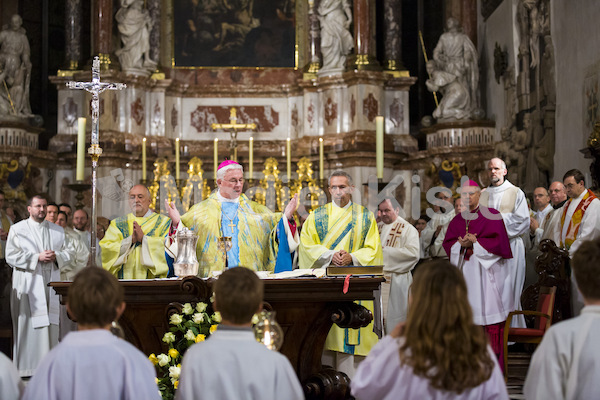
{"x": 392, "y": 34}
{"x": 314, "y": 42}
{"x": 73, "y": 11}
{"x": 364, "y": 38}
{"x": 102, "y": 14}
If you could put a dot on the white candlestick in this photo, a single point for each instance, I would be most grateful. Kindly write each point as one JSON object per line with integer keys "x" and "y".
{"x": 251, "y": 157}
{"x": 80, "y": 166}
{"x": 216, "y": 156}
{"x": 144, "y": 159}
{"x": 177, "y": 159}
{"x": 289, "y": 159}
{"x": 379, "y": 145}
{"x": 321, "y": 156}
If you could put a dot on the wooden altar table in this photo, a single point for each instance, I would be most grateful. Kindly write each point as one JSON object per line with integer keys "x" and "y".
{"x": 306, "y": 308}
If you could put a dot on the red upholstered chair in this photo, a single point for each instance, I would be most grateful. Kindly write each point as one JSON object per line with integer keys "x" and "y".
{"x": 543, "y": 320}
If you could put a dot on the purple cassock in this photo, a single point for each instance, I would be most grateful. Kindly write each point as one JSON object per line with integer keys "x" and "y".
{"x": 488, "y": 226}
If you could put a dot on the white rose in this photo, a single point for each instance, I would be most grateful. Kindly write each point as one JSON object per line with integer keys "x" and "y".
{"x": 169, "y": 337}
{"x": 163, "y": 359}
{"x": 198, "y": 318}
{"x": 176, "y": 319}
{"x": 201, "y": 307}
{"x": 189, "y": 335}
{"x": 187, "y": 309}
{"x": 216, "y": 317}
{"x": 174, "y": 372}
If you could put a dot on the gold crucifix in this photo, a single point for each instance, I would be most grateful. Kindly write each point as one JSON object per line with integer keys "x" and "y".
{"x": 233, "y": 127}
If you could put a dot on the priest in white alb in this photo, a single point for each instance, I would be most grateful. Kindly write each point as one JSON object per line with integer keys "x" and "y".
{"x": 36, "y": 249}
{"x": 512, "y": 204}
{"x": 401, "y": 250}
{"x": 259, "y": 238}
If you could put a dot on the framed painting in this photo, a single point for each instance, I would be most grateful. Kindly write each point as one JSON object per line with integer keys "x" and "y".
{"x": 234, "y": 33}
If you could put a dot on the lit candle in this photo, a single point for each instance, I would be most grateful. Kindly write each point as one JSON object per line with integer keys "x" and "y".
{"x": 379, "y": 145}
{"x": 289, "y": 159}
{"x": 321, "y": 171}
{"x": 177, "y": 159}
{"x": 251, "y": 157}
{"x": 144, "y": 159}
{"x": 79, "y": 171}
{"x": 216, "y": 157}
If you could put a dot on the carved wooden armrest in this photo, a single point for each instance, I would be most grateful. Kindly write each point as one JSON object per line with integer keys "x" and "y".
{"x": 522, "y": 312}
{"x": 351, "y": 315}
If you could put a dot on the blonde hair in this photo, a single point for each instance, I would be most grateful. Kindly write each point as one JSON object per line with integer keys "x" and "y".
{"x": 441, "y": 342}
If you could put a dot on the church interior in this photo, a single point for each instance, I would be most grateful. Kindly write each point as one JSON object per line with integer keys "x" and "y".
{"x": 268, "y": 83}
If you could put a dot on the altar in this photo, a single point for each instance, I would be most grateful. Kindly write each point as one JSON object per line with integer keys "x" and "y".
{"x": 306, "y": 308}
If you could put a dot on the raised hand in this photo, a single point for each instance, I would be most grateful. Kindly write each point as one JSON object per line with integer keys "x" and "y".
{"x": 290, "y": 209}
{"x": 173, "y": 212}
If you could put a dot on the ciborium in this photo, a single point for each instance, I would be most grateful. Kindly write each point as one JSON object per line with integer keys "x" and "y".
{"x": 186, "y": 263}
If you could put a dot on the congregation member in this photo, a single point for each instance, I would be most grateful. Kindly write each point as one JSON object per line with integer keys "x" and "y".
{"x": 342, "y": 233}
{"x": 438, "y": 353}
{"x": 558, "y": 197}
{"x": 11, "y": 385}
{"x": 133, "y": 246}
{"x": 52, "y": 212}
{"x": 239, "y": 367}
{"x": 505, "y": 197}
{"x": 566, "y": 364}
{"x": 36, "y": 249}
{"x": 400, "y": 245}
{"x": 68, "y": 210}
{"x": 92, "y": 363}
{"x": 260, "y": 239}
{"x": 478, "y": 245}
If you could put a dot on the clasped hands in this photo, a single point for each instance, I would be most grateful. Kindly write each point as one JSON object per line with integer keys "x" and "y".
{"x": 138, "y": 234}
{"x": 468, "y": 240}
{"x": 341, "y": 258}
{"x": 47, "y": 256}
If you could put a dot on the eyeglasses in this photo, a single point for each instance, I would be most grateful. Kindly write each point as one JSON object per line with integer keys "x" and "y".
{"x": 234, "y": 181}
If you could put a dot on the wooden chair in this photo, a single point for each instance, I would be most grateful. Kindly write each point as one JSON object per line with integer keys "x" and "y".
{"x": 542, "y": 321}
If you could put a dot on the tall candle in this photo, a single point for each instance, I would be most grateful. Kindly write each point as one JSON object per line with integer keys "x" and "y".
{"x": 216, "y": 157}
{"x": 379, "y": 145}
{"x": 177, "y": 159}
{"x": 321, "y": 171}
{"x": 80, "y": 166}
{"x": 289, "y": 159}
{"x": 251, "y": 157}
{"x": 144, "y": 159}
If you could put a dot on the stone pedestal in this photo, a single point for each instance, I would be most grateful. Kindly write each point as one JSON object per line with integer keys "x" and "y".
{"x": 460, "y": 133}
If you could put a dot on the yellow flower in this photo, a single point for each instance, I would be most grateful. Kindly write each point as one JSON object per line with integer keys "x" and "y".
{"x": 176, "y": 383}
{"x": 153, "y": 359}
{"x": 213, "y": 328}
{"x": 216, "y": 317}
{"x": 156, "y": 380}
{"x": 200, "y": 338}
{"x": 173, "y": 353}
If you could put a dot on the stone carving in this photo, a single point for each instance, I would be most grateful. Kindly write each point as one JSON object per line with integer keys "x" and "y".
{"x": 455, "y": 101}
{"x": 134, "y": 25}
{"x": 15, "y": 70}
{"x": 456, "y": 55}
{"x": 335, "y": 17}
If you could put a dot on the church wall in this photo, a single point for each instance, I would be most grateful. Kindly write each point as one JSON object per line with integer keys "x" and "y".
{"x": 576, "y": 33}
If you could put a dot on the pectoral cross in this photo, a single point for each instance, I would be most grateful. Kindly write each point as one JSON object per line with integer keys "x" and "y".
{"x": 95, "y": 87}
{"x": 233, "y": 127}
{"x": 231, "y": 225}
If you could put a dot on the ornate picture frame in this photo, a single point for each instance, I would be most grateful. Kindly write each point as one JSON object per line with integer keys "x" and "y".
{"x": 234, "y": 33}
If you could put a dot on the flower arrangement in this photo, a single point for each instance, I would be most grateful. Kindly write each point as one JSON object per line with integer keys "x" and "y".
{"x": 193, "y": 325}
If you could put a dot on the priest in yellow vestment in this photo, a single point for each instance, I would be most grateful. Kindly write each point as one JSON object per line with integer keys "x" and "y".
{"x": 342, "y": 233}
{"x": 133, "y": 247}
{"x": 256, "y": 234}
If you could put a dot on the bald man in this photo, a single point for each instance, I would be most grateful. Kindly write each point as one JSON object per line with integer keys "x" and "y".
{"x": 558, "y": 197}
{"x": 133, "y": 247}
{"x": 512, "y": 204}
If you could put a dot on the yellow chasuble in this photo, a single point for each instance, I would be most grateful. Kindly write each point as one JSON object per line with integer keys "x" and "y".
{"x": 354, "y": 230}
{"x": 257, "y": 234}
{"x": 127, "y": 260}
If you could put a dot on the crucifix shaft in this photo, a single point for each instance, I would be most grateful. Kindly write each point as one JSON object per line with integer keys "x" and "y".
{"x": 233, "y": 127}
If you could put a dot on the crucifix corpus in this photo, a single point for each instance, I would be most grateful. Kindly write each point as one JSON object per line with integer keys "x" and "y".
{"x": 233, "y": 127}
{"x": 95, "y": 87}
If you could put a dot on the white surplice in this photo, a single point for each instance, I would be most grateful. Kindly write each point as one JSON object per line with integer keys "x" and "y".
{"x": 400, "y": 241}
{"x": 382, "y": 377}
{"x": 590, "y": 223}
{"x": 34, "y": 305}
{"x": 436, "y": 249}
{"x": 232, "y": 365}
{"x": 93, "y": 365}
{"x": 540, "y": 217}
{"x": 512, "y": 204}
{"x": 11, "y": 385}
{"x": 566, "y": 365}
{"x": 86, "y": 239}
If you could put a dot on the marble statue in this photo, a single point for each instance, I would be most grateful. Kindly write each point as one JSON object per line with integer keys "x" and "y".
{"x": 455, "y": 96}
{"x": 134, "y": 25}
{"x": 456, "y": 54}
{"x": 15, "y": 70}
{"x": 335, "y": 17}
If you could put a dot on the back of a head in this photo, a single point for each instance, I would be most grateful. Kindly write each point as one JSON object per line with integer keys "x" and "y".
{"x": 238, "y": 295}
{"x": 94, "y": 297}
{"x": 586, "y": 268}
{"x": 441, "y": 341}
